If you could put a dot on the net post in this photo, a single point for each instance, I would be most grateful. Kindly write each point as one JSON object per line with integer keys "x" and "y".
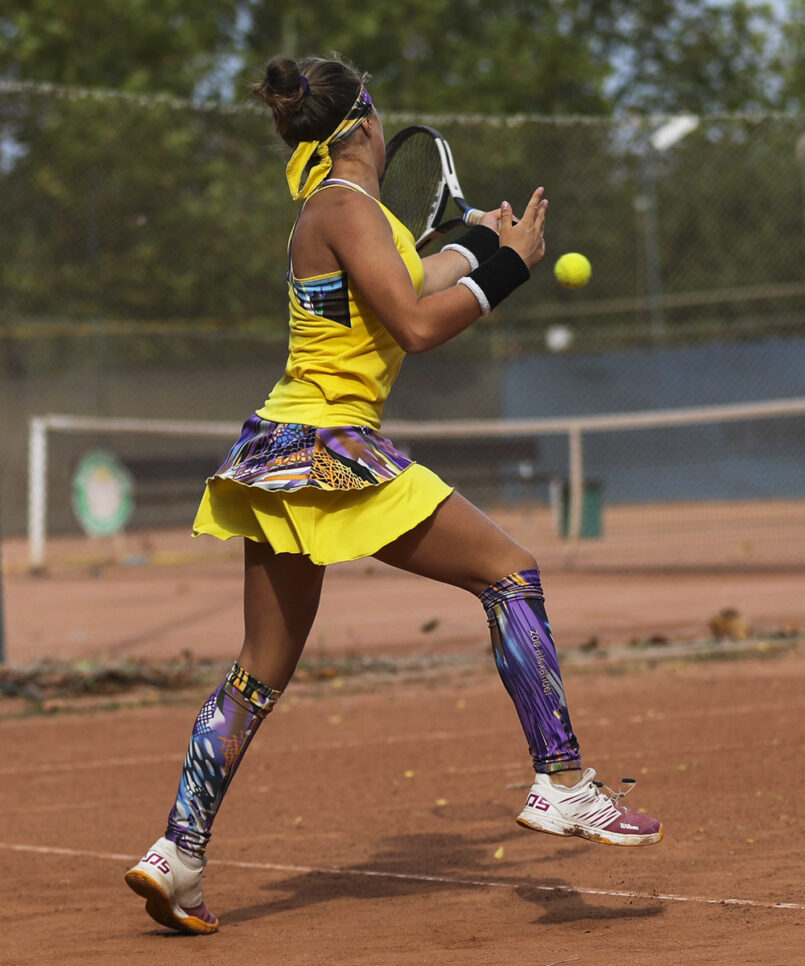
{"x": 576, "y": 482}
{"x": 37, "y": 491}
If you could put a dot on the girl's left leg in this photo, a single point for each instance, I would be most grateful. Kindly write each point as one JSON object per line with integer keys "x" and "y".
{"x": 281, "y": 595}
{"x": 168, "y": 876}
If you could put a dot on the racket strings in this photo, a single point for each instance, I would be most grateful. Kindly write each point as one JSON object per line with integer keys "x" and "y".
{"x": 412, "y": 183}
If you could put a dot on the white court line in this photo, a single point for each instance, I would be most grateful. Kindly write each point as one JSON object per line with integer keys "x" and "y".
{"x": 59, "y": 766}
{"x": 641, "y": 753}
{"x": 462, "y": 735}
{"x": 62, "y": 766}
{"x": 446, "y": 880}
{"x": 647, "y": 716}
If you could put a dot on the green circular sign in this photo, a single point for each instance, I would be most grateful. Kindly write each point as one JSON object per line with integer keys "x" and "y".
{"x": 102, "y": 494}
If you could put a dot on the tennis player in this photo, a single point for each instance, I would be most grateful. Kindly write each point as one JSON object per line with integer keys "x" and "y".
{"x": 312, "y": 481}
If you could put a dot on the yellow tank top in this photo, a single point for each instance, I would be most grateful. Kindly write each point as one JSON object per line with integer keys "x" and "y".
{"x": 343, "y": 360}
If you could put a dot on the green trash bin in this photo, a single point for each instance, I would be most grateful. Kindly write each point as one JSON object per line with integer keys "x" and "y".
{"x": 591, "y": 510}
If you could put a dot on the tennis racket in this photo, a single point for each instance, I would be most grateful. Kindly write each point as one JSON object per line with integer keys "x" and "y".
{"x": 418, "y": 182}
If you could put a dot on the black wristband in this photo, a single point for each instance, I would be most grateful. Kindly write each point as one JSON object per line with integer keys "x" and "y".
{"x": 498, "y": 277}
{"x": 481, "y": 241}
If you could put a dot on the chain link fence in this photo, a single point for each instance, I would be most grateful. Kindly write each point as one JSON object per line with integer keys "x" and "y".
{"x": 142, "y": 261}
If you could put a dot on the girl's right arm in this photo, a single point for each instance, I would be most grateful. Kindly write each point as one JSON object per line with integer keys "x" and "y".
{"x": 360, "y": 238}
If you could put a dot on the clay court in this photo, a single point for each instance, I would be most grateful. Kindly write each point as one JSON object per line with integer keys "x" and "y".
{"x": 372, "y": 822}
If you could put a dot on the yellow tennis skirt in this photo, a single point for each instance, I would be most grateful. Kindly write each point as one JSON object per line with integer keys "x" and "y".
{"x": 333, "y": 494}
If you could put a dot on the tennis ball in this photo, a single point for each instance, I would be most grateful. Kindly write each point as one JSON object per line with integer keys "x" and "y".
{"x": 572, "y": 270}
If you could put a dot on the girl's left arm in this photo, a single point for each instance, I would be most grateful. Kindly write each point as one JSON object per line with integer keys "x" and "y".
{"x": 444, "y": 269}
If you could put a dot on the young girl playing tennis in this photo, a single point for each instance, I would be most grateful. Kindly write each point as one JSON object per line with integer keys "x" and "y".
{"x": 311, "y": 481}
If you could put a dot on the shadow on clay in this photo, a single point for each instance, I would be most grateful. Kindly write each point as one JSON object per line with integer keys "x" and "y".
{"x": 458, "y": 861}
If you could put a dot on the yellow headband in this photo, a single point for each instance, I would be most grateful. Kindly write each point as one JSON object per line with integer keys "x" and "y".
{"x": 303, "y": 179}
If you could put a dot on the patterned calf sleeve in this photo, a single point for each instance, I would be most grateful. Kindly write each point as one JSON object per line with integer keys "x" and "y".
{"x": 222, "y": 732}
{"x": 525, "y": 655}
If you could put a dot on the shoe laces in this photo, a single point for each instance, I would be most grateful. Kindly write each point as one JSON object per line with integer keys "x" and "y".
{"x": 613, "y": 796}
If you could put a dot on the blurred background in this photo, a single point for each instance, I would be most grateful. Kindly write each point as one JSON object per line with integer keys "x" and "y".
{"x": 144, "y": 217}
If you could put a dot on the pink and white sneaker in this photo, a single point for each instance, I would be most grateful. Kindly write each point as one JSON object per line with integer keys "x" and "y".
{"x": 588, "y": 809}
{"x": 170, "y": 882}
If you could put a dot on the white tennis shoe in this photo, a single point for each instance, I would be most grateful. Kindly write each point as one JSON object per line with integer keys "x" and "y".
{"x": 589, "y": 810}
{"x": 170, "y": 882}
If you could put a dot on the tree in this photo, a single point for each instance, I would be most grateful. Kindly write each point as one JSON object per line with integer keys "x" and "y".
{"x": 543, "y": 56}
{"x": 129, "y": 45}
{"x": 792, "y": 58}
{"x": 463, "y": 56}
{"x": 685, "y": 55}
{"x": 137, "y": 208}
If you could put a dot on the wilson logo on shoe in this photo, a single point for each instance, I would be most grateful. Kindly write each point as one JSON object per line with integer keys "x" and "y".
{"x": 626, "y": 825}
{"x": 537, "y": 801}
{"x": 155, "y": 859}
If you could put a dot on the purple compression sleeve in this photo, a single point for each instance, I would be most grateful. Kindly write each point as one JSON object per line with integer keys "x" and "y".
{"x": 526, "y": 659}
{"x": 224, "y": 727}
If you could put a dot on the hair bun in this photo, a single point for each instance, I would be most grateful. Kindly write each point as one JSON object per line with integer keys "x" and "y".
{"x": 285, "y": 88}
{"x": 281, "y": 84}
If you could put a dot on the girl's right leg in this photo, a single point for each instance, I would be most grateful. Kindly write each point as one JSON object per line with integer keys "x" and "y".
{"x": 459, "y": 545}
{"x": 281, "y": 595}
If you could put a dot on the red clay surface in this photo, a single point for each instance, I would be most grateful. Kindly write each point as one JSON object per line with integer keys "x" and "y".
{"x": 372, "y": 822}
{"x": 157, "y": 612}
{"x": 657, "y": 571}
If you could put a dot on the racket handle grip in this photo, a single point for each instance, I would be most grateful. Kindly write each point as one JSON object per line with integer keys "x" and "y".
{"x": 472, "y": 216}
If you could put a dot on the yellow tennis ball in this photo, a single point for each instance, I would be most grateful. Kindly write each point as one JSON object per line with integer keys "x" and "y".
{"x": 572, "y": 270}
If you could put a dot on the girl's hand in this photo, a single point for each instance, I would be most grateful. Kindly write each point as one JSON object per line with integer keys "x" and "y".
{"x": 491, "y": 219}
{"x": 526, "y": 237}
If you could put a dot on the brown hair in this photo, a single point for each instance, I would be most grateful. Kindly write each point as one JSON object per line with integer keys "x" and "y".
{"x": 308, "y": 99}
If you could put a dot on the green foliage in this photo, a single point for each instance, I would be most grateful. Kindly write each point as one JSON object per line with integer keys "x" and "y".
{"x": 792, "y": 59}
{"x": 119, "y": 209}
{"x": 448, "y": 55}
{"x": 542, "y": 56}
{"x": 545, "y": 56}
{"x": 672, "y": 55}
{"x": 130, "y": 45}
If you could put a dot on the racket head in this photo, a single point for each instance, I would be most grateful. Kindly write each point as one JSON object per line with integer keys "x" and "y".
{"x": 419, "y": 180}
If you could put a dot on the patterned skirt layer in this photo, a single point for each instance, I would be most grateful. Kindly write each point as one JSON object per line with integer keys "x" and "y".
{"x": 287, "y": 456}
{"x": 335, "y": 493}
